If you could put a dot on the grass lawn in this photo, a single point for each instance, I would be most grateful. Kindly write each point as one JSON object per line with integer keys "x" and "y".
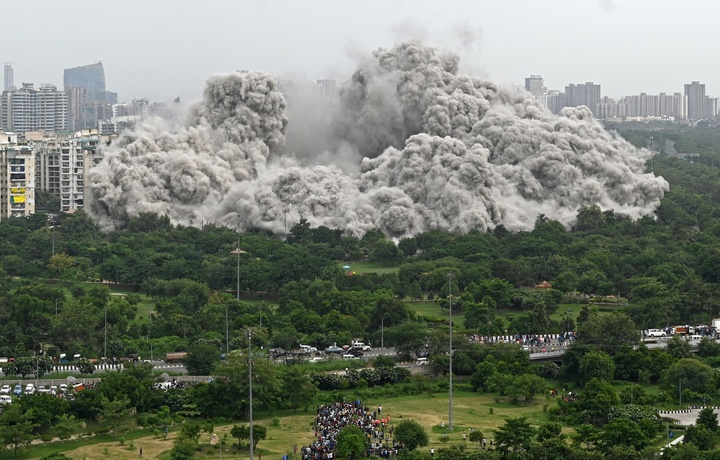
{"x": 432, "y": 310}
{"x": 470, "y": 410}
{"x": 361, "y": 267}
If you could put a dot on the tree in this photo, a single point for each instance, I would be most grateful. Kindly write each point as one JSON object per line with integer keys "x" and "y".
{"x": 516, "y": 433}
{"x": 60, "y": 264}
{"x": 411, "y": 434}
{"x": 623, "y": 432}
{"x": 524, "y": 388}
{"x": 476, "y": 437}
{"x": 201, "y": 359}
{"x": 113, "y": 411}
{"x": 408, "y": 338}
{"x": 351, "y": 443}
{"x": 549, "y": 430}
{"x": 608, "y": 332}
{"x": 595, "y": 401}
{"x": 700, "y": 436}
{"x": 298, "y": 390}
{"x": 690, "y": 374}
{"x": 16, "y": 428}
{"x": 708, "y": 418}
{"x": 66, "y": 425}
{"x": 596, "y": 364}
{"x": 678, "y": 348}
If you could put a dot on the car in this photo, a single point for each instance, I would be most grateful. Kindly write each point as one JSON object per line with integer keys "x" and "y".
{"x": 43, "y": 389}
{"x": 63, "y": 387}
{"x": 5, "y": 399}
{"x": 349, "y": 356}
{"x": 315, "y": 359}
{"x": 655, "y": 333}
{"x": 307, "y": 348}
{"x": 18, "y": 390}
{"x": 53, "y": 389}
{"x": 421, "y": 361}
{"x": 334, "y": 349}
{"x": 5, "y": 390}
{"x": 29, "y": 389}
{"x": 355, "y": 351}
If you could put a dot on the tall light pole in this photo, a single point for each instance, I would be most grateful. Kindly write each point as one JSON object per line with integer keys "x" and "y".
{"x": 250, "y": 389}
{"x": 52, "y": 230}
{"x": 105, "y": 352}
{"x": 450, "y": 279}
{"x": 382, "y": 332}
{"x": 237, "y": 251}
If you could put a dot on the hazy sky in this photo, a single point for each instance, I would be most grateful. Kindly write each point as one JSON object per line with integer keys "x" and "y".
{"x": 164, "y": 48}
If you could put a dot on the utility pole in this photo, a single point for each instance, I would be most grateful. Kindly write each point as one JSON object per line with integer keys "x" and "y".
{"x": 450, "y": 279}
{"x": 105, "y": 352}
{"x": 250, "y": 389}
{"x": 382, "y": 332}
{"x": 227, "y": 332}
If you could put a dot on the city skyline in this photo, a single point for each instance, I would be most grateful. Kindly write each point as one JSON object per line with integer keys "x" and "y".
{"x": 160, "y": 56}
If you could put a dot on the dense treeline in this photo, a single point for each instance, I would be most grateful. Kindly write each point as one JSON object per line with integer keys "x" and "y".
{"x": 667, "y": 268}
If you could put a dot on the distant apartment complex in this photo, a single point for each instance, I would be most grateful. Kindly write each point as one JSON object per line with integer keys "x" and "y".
{"x": 56, "y": 164}
{"x": 692, "y": 105}
{"x": 34, "y": 109}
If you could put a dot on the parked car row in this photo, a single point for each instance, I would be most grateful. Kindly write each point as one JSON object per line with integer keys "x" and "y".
{"x": 30, "y": 389}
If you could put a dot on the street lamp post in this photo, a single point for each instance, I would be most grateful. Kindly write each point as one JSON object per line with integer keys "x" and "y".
{"x": 382, "y": 332}
{"x": 105, "y": 350}
{"x": 250, "y": 390}
{"x": 237, "y": 251}
{"x": 450, "y": 279}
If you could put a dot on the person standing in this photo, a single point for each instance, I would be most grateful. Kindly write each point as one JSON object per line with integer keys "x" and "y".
{"x": 432, "y": 452}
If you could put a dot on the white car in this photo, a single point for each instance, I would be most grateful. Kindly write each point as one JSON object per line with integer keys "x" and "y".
{"x": 5, "y": 399}
{"x": 5, "y": 390}
{"x": 53, "y": 390}
{"x": 655, "y": 333}
{"x": 349, "y": 356}
{"x": 63, "y": 387}
{"x": 29, "y": 389}
{"x": 43, "y": 389}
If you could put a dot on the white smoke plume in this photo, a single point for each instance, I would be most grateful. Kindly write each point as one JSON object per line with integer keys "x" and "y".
{"x": 435, "y": 149}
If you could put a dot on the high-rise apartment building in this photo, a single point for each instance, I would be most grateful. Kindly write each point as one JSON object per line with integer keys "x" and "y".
{"x": 62, "y": 164}
{"x": 587, "y": 94}
{"x": 17, "y": 177}
{"x": 34, "y": 109}
{"x": 555, "y": 101}
{"x": 536, "y": 86}
{"x": 699, "y": 105}
{"x": 695, "y": 93}
{"x": 9, "y": 77}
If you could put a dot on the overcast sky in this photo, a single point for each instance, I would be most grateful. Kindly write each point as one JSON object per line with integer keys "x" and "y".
{"x": 161, "y": 49}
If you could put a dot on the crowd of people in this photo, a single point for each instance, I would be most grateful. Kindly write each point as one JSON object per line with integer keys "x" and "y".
{"x": 332, "y": 418}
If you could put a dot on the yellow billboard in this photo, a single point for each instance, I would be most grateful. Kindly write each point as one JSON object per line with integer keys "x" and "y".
{"x": 18, "y": 190}
{"x": 17, "y": 199}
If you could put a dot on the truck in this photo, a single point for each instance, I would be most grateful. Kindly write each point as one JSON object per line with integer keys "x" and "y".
{"x": 175, "y": 357}
{"x": 683, "y": 330}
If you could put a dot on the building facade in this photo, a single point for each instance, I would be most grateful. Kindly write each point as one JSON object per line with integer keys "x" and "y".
{"x": 17, "y": 177}
{"x": 62, "y": 166}
{"x": 536, "y": 86}
{"x": 34, "y": 109}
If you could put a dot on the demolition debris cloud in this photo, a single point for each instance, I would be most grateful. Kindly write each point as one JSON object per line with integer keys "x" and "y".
{"x": 412, "y": 146}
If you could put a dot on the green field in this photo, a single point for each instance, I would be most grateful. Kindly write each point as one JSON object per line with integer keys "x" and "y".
{"x": 360, "y": 267}
{"x": 286, "y": 429}
{"x": 430, "y": 309}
